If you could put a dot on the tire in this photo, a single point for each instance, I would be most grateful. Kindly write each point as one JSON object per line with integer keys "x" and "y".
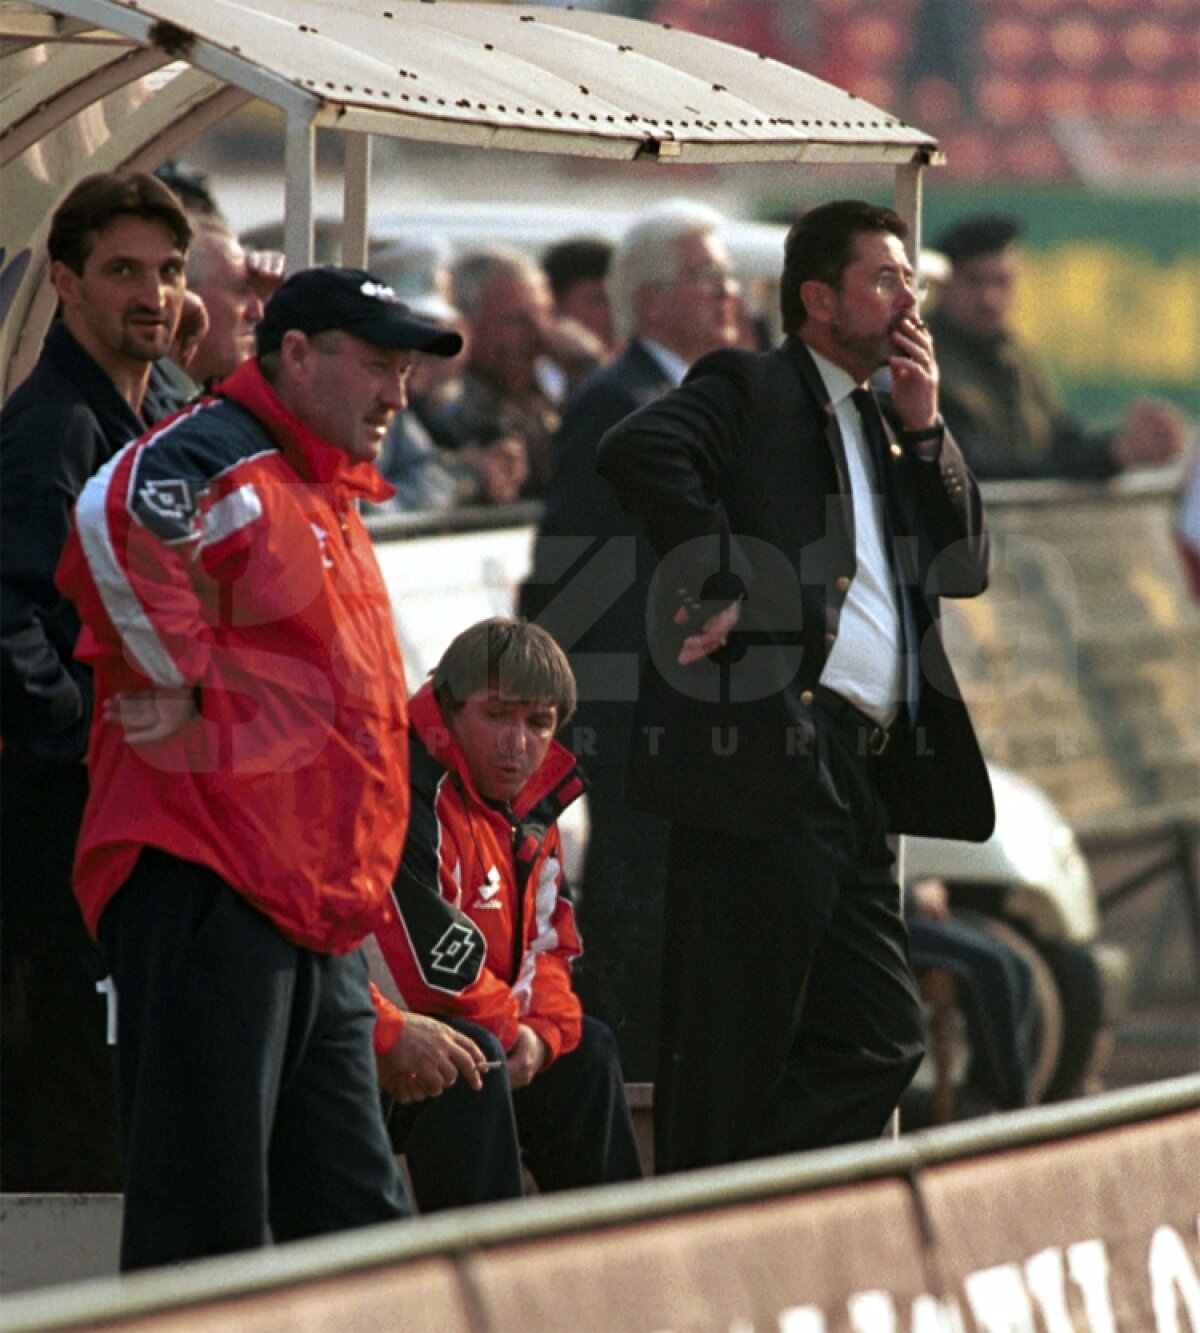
{"x": 1052, "y": 1026}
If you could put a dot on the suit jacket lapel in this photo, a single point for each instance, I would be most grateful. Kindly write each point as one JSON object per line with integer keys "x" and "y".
{"x": 810, "y": 376}
{"x": 643, "y": 370}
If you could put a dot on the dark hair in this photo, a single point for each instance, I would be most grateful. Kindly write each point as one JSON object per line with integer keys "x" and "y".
{"x": 979, "y": 234}
{"x": 513, "y": 657}
{"x": 97, "y": 200}
{"x": 820, "y": 247}
{"x": 574, "y": 260}
{"x": 191, "y": 187}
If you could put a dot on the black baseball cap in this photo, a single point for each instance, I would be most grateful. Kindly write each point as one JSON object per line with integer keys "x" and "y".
{"x": 317, "y": 299}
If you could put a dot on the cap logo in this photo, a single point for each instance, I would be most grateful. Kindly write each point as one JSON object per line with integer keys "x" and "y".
{"x": 380, "y": 291}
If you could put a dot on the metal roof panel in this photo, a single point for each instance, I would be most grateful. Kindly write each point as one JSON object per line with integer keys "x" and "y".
{"x": 567, "y": 80}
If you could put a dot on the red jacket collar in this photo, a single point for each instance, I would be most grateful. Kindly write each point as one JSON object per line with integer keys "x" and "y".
{"x": 311, "y": 456}
{"x": 426, "y": 718}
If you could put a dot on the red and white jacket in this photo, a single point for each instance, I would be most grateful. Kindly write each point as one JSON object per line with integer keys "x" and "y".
{"x": 483, "y": 928}
{"x": 222, "y": 551}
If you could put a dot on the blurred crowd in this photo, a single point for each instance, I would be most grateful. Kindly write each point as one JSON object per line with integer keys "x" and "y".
{"x": 486, "y": 427}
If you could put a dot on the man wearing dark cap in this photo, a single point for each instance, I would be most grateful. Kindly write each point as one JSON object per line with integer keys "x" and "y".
{"x": 996, "y": 395}
{"x": 249, "y": 766}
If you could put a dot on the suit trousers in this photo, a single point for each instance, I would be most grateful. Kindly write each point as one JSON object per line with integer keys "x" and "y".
{"x": 791, "y": 1018}
{"x": 249, "y": 1096}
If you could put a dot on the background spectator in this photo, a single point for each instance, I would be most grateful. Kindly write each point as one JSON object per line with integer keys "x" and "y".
{"x": 218, "y": 272}
{"x": 429, "y": 478}
{"x": 506, "y": 299}
{"x": 576, "y": 268}
{"x": 994, "y": 989}
{"x": 998, "y": 398}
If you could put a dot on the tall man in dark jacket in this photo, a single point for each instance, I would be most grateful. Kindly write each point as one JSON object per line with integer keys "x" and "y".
{"x": 117, "y": 247}
{"x": 674, "y": 298}
{"x": 798, "y": 704}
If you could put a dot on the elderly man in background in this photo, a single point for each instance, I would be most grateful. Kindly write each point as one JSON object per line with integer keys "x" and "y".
{"x": 509, "y": 391}
{"x": 232, "y": 284}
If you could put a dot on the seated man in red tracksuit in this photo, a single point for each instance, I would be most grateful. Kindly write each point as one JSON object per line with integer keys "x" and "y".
{"x": 484, "y": 934}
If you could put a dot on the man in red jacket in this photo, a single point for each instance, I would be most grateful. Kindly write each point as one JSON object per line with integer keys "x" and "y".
{"x": 248, "y": 769}
{"x": 483, "y": 934}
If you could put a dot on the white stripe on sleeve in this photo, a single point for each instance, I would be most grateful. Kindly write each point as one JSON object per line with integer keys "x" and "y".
{"x": 231, "y": 514}
{"x": 126, "y": 612}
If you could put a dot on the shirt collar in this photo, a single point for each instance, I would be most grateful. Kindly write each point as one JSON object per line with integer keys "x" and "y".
{"x": 839, "y": 383}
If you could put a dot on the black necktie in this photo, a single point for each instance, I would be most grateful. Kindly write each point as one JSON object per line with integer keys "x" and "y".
{"x": 877, "y": 447}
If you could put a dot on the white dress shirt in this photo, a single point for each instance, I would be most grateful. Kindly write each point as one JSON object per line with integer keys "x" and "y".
{"x": 865, "y": 664}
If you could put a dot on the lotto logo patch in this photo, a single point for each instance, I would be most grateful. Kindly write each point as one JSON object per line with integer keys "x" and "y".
{"x": 455, "y": 951}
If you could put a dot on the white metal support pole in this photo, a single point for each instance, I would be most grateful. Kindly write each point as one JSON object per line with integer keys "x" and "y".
{"x": 910, "y": 182}
{"x": 356, "y": 185}
{"x": 300, "y": 154}
{"x": 900, "y": 856}
{"x": 909, "y": 186}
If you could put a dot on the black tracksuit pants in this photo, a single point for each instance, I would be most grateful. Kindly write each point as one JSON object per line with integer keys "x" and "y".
{"x": 570, "y": 1125}
{"x": 249, "y": 1097}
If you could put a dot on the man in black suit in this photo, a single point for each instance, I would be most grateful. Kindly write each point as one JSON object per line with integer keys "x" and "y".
{"x": 674, "y": 298}
{"x": 798, "y": 704}
{"x": 117, "y": 246}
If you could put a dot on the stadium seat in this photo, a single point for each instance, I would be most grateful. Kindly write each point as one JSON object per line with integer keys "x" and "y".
{"x": 875, "y": 39}
{"x": 1132, "y": 99}
{"x": 1035, "y": 156}
{"x": 1078, "y": 42}
{"x": 934, "y": 102}
{"x": 1066, "y": 94}
{"x": 1007, "y": 99}
{"x": 1010, "y": 44}
{"x": 1149, "y": 45}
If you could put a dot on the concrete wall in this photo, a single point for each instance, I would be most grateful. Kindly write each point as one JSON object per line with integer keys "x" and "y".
{"x": 1079, "y": 1222}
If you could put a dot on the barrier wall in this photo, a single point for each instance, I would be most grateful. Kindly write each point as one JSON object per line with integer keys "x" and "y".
{"x": 1082, "y": 1218}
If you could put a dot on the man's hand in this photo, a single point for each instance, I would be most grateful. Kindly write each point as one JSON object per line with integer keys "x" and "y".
{"x": 931, "y": 899}
{"x": 1154, "y": 433}
{"x": 711, "y": 635}
{"x": 914, "y": 374}
{"x": 528, "y": 1055}
{"x": 266, "y": 270}
{"x": 574, "y": 347}
{"x": 426, "y": 1058}
{"x": 190, "y": 331}
{"x": 149, "y": 716}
